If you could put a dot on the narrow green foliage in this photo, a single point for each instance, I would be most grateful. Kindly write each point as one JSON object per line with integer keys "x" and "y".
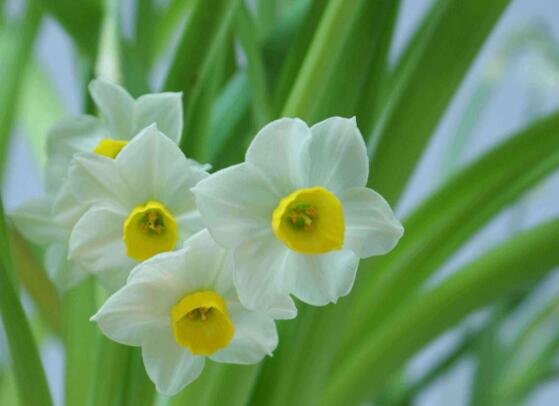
{"x": 246, "y": 30}
{"x": 421, "y": 97}
{"x": 526, "y": 258}
{"x": 327, "y": 44}
{"x": 470, "y": 199}
{"x": 36, "y": 282}
{"x": 80, "y": 19}
{"x": 79, "y": 334}
{"x": 28, "y": 371}
{"x": 194, "y": 69}
{"x": 138, "y": 389}
{"x": 20, "y": 38}
{"x": 361, "y": 65}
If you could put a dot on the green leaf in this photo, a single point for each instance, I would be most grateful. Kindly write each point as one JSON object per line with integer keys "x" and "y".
{"x": 246, "y": 30}
{"x": 36, "y": 282}
{"x": 39, "y": 108}
{"x": 526, "y": 258}
{"x": 326, "y": 46}
{"x": 80, "y": 19}
{"x": 421, "y": 97}
{"x": 138, "y": 388}
{"x": 193, "y": 69}
{"x": 362, "y": 66}
{"x": 79, "y": 334}
{"x": 28, "y": 371}
{"x": 16, "y": 41}
{"x": 449, "y": 217}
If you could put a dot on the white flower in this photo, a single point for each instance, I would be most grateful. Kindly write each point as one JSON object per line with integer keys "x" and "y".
{"x": 122, "y": 117}
{"x": 35, "y": 220}
{"x": 297, "y": 213}
{"x": 182, "y": 307}
{"x": 48, "y": 220}
{"x": 140, "y": 204}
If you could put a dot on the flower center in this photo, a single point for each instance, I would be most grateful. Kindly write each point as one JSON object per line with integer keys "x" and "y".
{"x": 310, "y": 221}
{"x": 149, "y": 230}
{"x": 201, "y": 323}
{"x": 109, "y": 147}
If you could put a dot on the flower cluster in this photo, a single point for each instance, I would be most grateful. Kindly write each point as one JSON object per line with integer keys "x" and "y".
{"x": 200, "y": 265}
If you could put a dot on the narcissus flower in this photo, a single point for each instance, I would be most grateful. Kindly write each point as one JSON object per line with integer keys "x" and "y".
{"x": 121, "y": 118}
{"x": 182, "y": 308}
{"x": 48, "y": 220}
{"x": 36, "y": 220}
{"x": 140, "y": 205}
{"x": 297, "y": 214}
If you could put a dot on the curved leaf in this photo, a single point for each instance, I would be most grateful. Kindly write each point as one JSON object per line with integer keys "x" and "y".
{"x": 525, "y": 258}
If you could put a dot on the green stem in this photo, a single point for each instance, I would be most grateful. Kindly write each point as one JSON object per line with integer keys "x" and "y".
{"x": 29, "y": 374}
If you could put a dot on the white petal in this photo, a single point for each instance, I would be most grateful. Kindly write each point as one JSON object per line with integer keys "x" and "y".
{"x": 70, "y": 136}
{"x": 200, "y": 265}
{"x": 236, "y": 204}
{"x": 97, "y": 244}
{"x": 95, "y": 179}
{"x": 133, "y": 313}
{"x": 321, "y": 279}
{"x": 279, "y": 151}
{"x": 66, "y": 209}
{"x": 34, "y": 220}
{"x": 168, "y": 365}
{"x": 371, "y": 228}
{"x": 189, "y": 223}
{"x": 338, "y": 155}
{"x": 155, "y": 168}
{"x": 164, "y": 109}
{"x": 255, "y": 337}
{"x": 259, "y": 273}
{"x": 116, "y": 106}
{"x": 65, "y": 274}
{"x": 283, "y": 309}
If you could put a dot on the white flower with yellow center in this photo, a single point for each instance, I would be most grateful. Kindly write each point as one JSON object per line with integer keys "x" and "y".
{"x": 121, "y": 118}
{"x": 297, "y": 213}
{"x": 181, "y": 308}
{"x": 140, "y": 205}
{"x": 48, "y": 220}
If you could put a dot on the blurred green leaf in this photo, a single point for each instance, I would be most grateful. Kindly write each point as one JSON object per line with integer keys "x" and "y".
{"x": 81, "y": 20}
{"x": 326, "y": 46}
{"x": 246, "y": 30}
{"x": 361, "y": 65}
{"x": 194, "y": 67}
{"x": 79, "y": 334}
{"x": 28, "y": 371}
{"x": 39, "y": 109}
{"x": 449, "y": 217}
{"x": 16, "y": 42}
{"x": 526, "y": 257}
{"x": 421, "y": 97}
{"x": 36, "y": 282}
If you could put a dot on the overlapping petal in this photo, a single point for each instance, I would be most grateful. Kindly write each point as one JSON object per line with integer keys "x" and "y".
{"x": 116, "y": 106}
{"x": 255, "y": 337}
{"x": 163, "y": 109}
{"x": 321, "y": 279}
{"x": 96, "y": 243}
{"x": 371, "y": 227}
{"x": 169, "y": 366}
{"x": 279, "y": 151}
{"x": 338, "y": 155}
{"x": 237, "y": 204}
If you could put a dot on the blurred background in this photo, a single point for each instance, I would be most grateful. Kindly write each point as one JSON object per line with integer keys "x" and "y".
{"x": 514, "y": 79}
